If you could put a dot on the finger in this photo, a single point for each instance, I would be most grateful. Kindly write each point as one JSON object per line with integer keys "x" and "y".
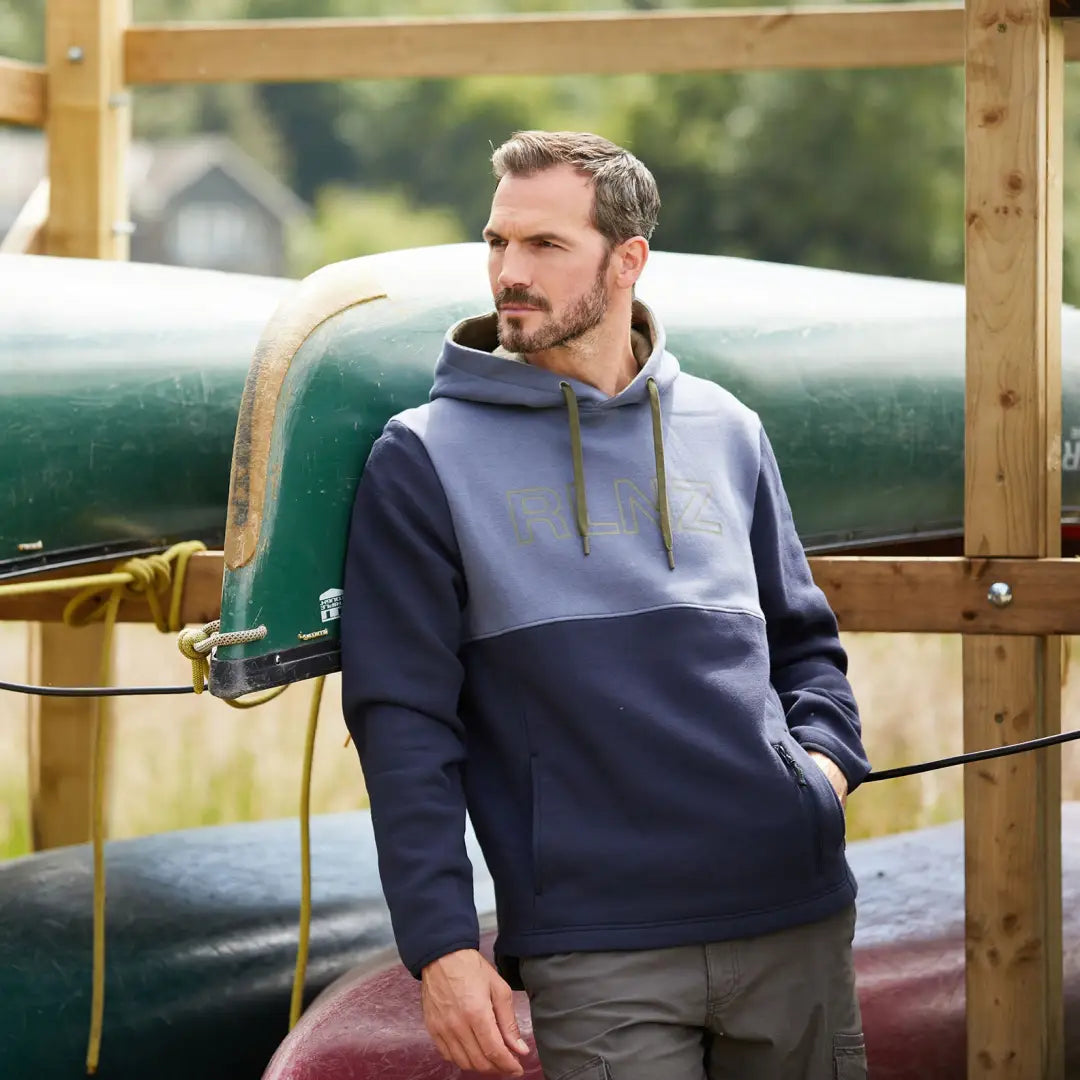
{"x": 440, "y": 1045}
{"x": 502, "y": 1001}
{"x": 490, "y": 1042}
{"x": 461, "y": 1057}
{"x": 464, "y": 1035}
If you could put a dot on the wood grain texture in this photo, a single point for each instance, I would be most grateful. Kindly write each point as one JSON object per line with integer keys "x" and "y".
{"x": 88, "y": 127}
{"x": 22, "y": 93}
{"x": 60, "y": 731}
{"x": 883, "y": 35}
{"x": 1012, "y": 685}
{"x": 907, "y": 595}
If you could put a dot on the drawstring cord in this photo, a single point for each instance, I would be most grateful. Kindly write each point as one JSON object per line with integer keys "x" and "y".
{"x": 579, "y": 465}
{"x": 580, "y": 500}
{"x": 661, "y": 472}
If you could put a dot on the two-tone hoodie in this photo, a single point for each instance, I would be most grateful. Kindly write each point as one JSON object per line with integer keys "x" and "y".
{"x": 589, "y": 622}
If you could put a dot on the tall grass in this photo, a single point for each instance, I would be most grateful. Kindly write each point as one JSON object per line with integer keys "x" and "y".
{"x": 188, "y": 761}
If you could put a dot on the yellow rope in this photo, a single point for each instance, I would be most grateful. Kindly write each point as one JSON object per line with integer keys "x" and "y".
{"x": 98, "y": 600}
{"x": 296, "y": 1005}
{"x": 98, "y": 776}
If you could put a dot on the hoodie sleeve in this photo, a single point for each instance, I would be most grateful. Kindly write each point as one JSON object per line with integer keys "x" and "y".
{"x": 809, "y": 665}
{"x": 404, "y": 594}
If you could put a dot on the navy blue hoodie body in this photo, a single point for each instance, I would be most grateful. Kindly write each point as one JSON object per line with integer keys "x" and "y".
{"x": 588, "y": 621}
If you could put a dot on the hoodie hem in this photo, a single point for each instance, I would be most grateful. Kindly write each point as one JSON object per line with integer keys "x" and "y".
{"x": 669, "y": 934}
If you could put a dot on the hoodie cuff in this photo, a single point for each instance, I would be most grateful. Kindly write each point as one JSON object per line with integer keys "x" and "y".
{"x": 853, "y": 766}
{"x": 416, "y": 968}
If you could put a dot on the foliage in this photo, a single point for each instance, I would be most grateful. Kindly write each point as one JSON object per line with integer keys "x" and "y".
{"x": 861, "y": 170}
{"x": 348, "y": 223}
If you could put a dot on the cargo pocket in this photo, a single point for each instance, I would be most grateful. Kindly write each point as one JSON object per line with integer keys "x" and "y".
{"x": 849, "y": 1056}
{"x": 597, "y": 1069}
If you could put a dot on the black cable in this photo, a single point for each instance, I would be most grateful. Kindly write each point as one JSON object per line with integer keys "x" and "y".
{"x": 95, "y": 691}
{"x": 974, "y": 755}
{"x": 884, "y": 774}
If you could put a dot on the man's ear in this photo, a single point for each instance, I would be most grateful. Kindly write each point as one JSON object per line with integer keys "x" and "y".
{"x": 629, "y": 259}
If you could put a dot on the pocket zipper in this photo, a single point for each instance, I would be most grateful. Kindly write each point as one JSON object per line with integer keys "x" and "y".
{"x": 793, "y": 766}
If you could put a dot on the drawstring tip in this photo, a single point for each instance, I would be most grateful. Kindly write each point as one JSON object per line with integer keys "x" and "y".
{"x": 585, "y": 544}
{"x": 671, "y": 558}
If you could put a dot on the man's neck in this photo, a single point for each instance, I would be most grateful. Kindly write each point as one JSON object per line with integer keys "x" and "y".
{"x": 604, "y": 358}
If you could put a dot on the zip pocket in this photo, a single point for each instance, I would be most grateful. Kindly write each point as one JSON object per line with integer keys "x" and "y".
{"x": 799, "y": 776}
{"x": 534, "y": 776}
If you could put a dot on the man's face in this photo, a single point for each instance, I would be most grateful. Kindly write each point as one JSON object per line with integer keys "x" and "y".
{"x": 547, "y": 264}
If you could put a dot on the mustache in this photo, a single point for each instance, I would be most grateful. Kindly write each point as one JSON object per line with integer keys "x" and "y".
{"x": 520, "y": 296}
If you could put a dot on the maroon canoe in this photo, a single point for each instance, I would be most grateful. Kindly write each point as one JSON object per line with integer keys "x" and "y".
{"x": 909, "y": 954}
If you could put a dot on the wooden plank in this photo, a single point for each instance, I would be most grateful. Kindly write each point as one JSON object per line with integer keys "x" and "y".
{"x": 22, "y": 93}
{"x": 60, "y": 733}
{"x": 283, "y": 50}
{"x": 1050, "y": 646}
{"x": 88, "y": 128}
{"x": 1012, "y": 685}
{"x": 908, "y": 595}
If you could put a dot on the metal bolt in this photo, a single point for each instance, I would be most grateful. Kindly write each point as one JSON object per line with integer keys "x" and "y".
{"x": 1000, "y": 594}
{"x": 75, "y": 54}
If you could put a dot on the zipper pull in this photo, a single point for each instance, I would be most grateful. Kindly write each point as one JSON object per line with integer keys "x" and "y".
{"x": 791, "y": 763}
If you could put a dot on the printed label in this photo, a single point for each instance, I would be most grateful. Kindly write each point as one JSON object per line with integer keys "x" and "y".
{"x": 330, "y": 605}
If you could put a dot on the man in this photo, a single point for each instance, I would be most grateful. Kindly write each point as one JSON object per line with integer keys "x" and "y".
{"x": 650, "y": 726}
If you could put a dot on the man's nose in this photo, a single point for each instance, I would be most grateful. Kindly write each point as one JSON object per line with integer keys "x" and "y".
{"x": 514, "y": 271}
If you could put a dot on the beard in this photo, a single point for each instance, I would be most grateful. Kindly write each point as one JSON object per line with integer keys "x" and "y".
{"x": 583, "y": 315}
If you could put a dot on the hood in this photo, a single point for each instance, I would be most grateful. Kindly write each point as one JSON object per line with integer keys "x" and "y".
{"x": 472, "y": 367}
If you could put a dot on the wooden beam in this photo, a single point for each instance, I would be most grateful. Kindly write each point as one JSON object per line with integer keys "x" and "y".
{"x": 88, "y": 127}
{"x": 61, "y": 731}
{"x": 286, "y": 50}
{"x": 1012, "y": 685}
{"x": 22, "y": 93}
{"x": 912, "y": 595}
{"x": 201, "y": 602}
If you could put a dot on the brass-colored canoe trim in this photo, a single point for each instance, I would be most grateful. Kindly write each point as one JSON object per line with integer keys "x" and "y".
{"x": 317, "y": 298}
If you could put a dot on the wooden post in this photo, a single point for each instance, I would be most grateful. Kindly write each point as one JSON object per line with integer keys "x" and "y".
{"x": 1012, "y": 685}
{"x": 87, "y": 125}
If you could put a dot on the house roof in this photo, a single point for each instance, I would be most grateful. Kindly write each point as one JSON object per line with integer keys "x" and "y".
{"x": 155, "y": 173}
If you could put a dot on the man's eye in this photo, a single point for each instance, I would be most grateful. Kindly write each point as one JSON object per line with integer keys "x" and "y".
{"x": 496, "y": 242}
{"x": 546, "y": 244}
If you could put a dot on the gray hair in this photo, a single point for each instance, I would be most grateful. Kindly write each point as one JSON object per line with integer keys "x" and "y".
{"x": 626, "y": 202}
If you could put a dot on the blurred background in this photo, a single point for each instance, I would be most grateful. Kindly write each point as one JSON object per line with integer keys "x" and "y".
{"x": 860, "y": 171}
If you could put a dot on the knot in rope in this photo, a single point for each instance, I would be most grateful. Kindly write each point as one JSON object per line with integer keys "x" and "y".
{"x": 147, "y": 578}
{"x": 196, "y": 643}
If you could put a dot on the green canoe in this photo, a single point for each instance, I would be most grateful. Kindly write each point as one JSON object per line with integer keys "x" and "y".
{"x": 121, "y": 409}
{"x": 858, "y": 379}
{"x": 119, "y": 386}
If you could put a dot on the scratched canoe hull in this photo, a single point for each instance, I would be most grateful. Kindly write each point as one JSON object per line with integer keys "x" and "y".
{"x": 859, "y": 381}
{"x": 201, "y": 945}
{"x": 119, "y": 388}
{"x": 909, "y": 958}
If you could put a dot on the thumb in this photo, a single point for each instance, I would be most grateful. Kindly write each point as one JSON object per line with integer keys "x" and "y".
{"x": 502, "y": 1002}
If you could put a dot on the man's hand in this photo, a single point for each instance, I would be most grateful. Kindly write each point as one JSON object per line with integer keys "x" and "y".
{"x": 469, "y": 1014}
{"x": 832, "y": 771}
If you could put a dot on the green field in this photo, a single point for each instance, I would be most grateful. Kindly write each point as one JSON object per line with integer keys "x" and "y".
{"x": 180, "y": 762}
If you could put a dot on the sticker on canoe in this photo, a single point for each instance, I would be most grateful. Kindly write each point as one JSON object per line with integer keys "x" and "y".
{"x": 330, "y": 605}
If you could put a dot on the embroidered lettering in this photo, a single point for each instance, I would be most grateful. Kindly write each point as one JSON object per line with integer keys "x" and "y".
{"x": 532, "y": 506}
{"x": 692, "y": 516}
{"x": 631, "y": 499}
